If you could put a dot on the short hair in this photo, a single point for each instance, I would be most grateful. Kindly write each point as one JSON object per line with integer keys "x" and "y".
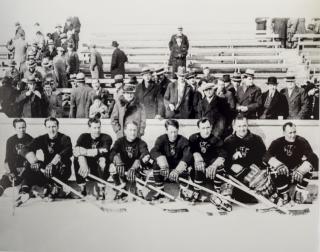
{"x": 18, "y": 120}
{"x": 51, "y": 119}
{"x": 203, "y": 120}
{"x": 171, "y": 122}
{"x": 94, "y": 119}
{"x": 131, "y": 122}
{"x": 239, "y": 118}
{"x": 290, "y": 124}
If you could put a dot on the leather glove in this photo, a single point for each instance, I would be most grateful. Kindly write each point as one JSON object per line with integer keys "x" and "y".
{"x": 301, "y": 171}
{"x": 278, "y": 167}
{"x": 48, "y": 170}
{"x": 131, "y": 175}
{"x": 164, "y": 172}
{"x": 37, "y": 166}
{"x": 174, "y": 176}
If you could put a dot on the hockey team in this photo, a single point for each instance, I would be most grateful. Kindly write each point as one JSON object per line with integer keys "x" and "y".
{"x": 280, "y": 173}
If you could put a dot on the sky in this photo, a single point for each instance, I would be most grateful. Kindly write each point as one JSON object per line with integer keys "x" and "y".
{"x": 99, "y": 15}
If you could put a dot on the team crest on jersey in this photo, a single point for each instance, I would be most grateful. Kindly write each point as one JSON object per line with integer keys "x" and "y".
{"x": 172, "y": 149}
{"x": 129, "y": 150}
{"x": 50, "y": 147}
{"x": 19, "y": 148}
{"x": 94, "y": 144}
{"x": 288, "y": 149}
{"x": 204, "y": 146}
{"x": 243, "y": 150}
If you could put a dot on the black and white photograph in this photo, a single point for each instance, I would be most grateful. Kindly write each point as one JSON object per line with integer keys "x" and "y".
{"x": 159, "y": 125}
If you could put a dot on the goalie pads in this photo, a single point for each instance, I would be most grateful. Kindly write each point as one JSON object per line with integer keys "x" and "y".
{"x": 277, "y": 167}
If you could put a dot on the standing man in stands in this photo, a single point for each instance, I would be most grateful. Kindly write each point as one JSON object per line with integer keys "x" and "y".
{"x": 296, "y": 98}
{"x": 148, "y": 94}
{"x": 291, "y": 160}
{"x": 80, "y": 98}
{"x": 96, "y": 63}
{"x": 118, "y": 60}
{"x": 179, "y": 46}
{"x": 14, "y": 162}
{"x": 56, "y": 35}
{"x": 57, "y": 151}
{"x": 275, "y": 104}
{"x": 179, "y": 97}
{"x": 248, "y": 97}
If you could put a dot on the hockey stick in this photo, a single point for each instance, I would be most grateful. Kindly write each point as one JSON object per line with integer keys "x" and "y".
{"x": 102, "y": 208}
{"x": 13, "y": 197}
{"x": 214, "y": 193}
{"x": 169, "y": 196}
{"x": 242, "y": 187}
{"x": 132, "y": 194}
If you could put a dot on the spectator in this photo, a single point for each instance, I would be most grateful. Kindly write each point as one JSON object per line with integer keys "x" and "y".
{"x": 179, "y": 46}
{"x": 261, "y": 23}
{"x": 31, "y": 100}
{"x": 56, "y": 35}
{"x": 19, "y": 48}
{"x": 275, "y": 104}
{"x": 148, "y": 94}
{"x": 51, "y": 51}
{"x": 211, "y": 107}
{"x": 32, "y": 71}
{"x": 126, "y": 109}
{"x": 228, "y": 99}
{"x": 73, "y": 25}
{"x": 47, "y": 71}
{"x": 40, "y": 40}
{"x": 19, "y": 32}
{"x": 98, "y": 109}
{"x": 280, "y": 27}
{"x": 96, "y": 63}
{"x": 70, "y": 40}
{"x": 8, "y": 96}
{"x": 72, "y": 60}
{"x": 13, "y": 73}
{"x": 60, "y": 67}
{"x": 53, "y": 99}
{"x": 178, "y": 99}
{"x": 163, "y": 80}
{"x": 64, "y": 42}
{"x": 296, "y": 98}
{"x": 103, "y": 94}
{"x": 248, "y": 96}
{"x": 118, "y": 83}
{"x": 118, "y": 60}
{"x": 312, "y": 90}
{"x": 235, "y": 81}
{"x": 80, "y": 98}
{"x": 207, "y": 76}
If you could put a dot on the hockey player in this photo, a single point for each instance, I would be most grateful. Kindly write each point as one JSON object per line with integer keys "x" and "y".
{"x": 291, "y": 159}
{"x": 92, "y": 155}
{"x": 57, "y": 151}
{"x": 208, "y": 160}
{"x": 14, "y": 162}
{"x": 129, "y": 153}
{"x": 173, "y": 157}
{"x": 244, "y": 161}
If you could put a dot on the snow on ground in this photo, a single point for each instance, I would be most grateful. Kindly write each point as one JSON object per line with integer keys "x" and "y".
{"x": 72, "y": 225}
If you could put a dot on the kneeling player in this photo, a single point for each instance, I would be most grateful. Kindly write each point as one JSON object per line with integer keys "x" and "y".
{"x": 172, "y": 154}
{"x": 291, "y": 160}
{"x": 129, "y": 153}
{"x": 57, "y": 151}
{"x": 92, "y": 156}
{"x": 14, "y": 162}
{"x": 244, "y": 162}
{"x": 209, "y": 157}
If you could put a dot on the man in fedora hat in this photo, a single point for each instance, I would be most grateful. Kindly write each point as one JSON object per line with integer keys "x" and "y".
{"x": 162, "y": 80}
{"x": 128, "y": 108}
{"x": 212, "y": 107}
{"x": 96, "y": 63}
{"x": 248, "y": 97}
{"x": 72, "y": 60}
{"x": 13, "y": 72}
{"x": 178, "y": 99}
{"x": 275, "y": 104}
{"x": 32, "y": 71}
{"x": 51, "y": 50}
{"x": 118, "y": 60}
{"x": 32, "y": 100}
{"x": 80, "y": 98}
{"x": 148, "y": 94}
{"x": 235, "y": 82}
{"x": 179, "y": 46}
{"x": 47, "y": 71}
{"x": 60, "y": 66}
{"x": 296, "y": 97}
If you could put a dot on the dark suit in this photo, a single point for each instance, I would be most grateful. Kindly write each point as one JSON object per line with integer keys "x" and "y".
{"x": 72, "y": 61}
{"x": 80, "y": 102}
{"x": 150, "y": 97}
{"x": 298, "y": 103}
{"x": 185, "y": 108}
{"x": 178, "y": 55}
{"x": 278, "y": 106}
{"x": 251, "y": 98}
{"x": 96, "y": 65}
{"x": 119, "y": 58}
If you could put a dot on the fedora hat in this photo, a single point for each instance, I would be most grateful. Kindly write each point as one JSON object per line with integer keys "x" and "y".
{"x": 249, "y": 72}
{"x": 80, "y": 77}
{"x": 114, "y": 44}
{"x": 181, "y": 71}
{"x": 129, "y": 88}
